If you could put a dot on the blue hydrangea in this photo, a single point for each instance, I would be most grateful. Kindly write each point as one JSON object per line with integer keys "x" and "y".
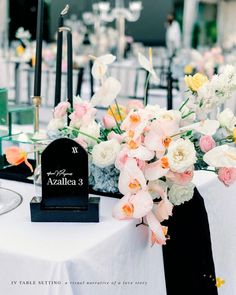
{"x": 104, "y": 179}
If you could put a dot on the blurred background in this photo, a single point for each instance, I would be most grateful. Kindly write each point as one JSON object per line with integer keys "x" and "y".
{"x": 186, "y": 36}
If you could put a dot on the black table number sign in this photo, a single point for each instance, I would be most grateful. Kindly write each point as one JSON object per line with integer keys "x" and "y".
{"x": 65, "y": 185}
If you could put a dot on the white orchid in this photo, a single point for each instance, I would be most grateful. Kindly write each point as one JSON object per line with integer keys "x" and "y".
{"x": 106, "y": 93}
{"x": 100, "y": 65}
{"x": 221, "y": 156}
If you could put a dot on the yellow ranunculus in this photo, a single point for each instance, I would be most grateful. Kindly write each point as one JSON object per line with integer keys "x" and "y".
{"x": 20, "y": 50}
{"x": 188, "y": 69}
{"x": 195, "y": 82}
{"x": 234, "y": 135}
{"x": 119, "y": 113}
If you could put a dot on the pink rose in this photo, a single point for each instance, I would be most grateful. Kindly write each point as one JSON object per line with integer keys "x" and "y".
{"x": 108, "y": 122}
{"x": 61, "y": 109}
{"x": 83, "y": 114}
{"x": 227, "y": 175}
{"x": 113, "y": 135}
{"x": 134, "y": 104}
{"x": 180, "y": 178}
{"x": 206, "y": 143}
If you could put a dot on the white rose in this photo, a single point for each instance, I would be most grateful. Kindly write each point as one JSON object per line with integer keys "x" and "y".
{"x": 55, "y": 124}
{"x": 227, "y": 119}
{"x": 93, "y": 130}
{"x": 104, "y": 154}
{"x": 179, "y": 194}
{"x": 181, "y": 155}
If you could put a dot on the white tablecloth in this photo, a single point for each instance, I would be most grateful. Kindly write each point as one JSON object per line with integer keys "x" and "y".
{"x": 220, "y": 204}
{"x": 79, "y": 256}
{"x": 82, "y": 254}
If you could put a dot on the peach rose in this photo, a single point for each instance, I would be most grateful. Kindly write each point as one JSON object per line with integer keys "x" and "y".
{"x": 207, "y": 143}
{"x": 227, "y": 175}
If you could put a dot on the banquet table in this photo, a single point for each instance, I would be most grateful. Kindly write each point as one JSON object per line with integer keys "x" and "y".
{"x": 111, "y": 257}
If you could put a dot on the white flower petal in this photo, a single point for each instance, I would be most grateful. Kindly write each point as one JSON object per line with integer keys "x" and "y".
{"x": 143, "y": 204}
{"x": 99, "y": 70}
{"x": 106, "y": 59}
{"x": 156, "y": 227}
{"x": 221, "y": 156}
{"x": 206, "y": 127}
{"x": 145, "y": 63}
{"x": 142, "y": 153}
{"x": 106, "y": 93}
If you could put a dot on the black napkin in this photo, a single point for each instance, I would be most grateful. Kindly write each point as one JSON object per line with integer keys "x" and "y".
{"x": 188, "y": 259}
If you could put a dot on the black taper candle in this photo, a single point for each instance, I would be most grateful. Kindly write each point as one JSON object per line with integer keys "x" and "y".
{"x": 59, "y": 55}
{"x": 39, "y": 46}
{"x": 59, "y": 61}
{"x": 70, "y": 67}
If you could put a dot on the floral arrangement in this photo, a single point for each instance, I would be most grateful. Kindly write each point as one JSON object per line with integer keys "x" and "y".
{"x": 207, "y": 63}
{"x": 205, "y": 95}
{"x": 147, "y": 153}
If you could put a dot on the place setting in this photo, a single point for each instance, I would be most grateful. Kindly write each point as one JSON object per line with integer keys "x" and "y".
{"x": 117, "y": 148}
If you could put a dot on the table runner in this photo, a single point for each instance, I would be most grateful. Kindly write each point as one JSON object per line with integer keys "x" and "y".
{"x": 188, "y": 259}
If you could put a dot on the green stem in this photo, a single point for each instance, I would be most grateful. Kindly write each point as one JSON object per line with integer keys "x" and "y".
{"x": 85, "y": 134}
{"x": 117, "y": 124}
{"x": 118, "y": 108}
{"x": 190, "y": 113}
{"x": 146, "y": 89}
{"x": 182, "y": 106}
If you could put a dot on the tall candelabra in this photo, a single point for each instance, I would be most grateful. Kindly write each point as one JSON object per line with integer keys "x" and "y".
{"x": 94, "y": 18}
{"x": 103, "y": 13}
